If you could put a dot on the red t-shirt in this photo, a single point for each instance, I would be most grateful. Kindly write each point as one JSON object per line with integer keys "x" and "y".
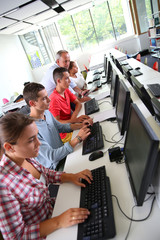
{"x": 60, "y": 106}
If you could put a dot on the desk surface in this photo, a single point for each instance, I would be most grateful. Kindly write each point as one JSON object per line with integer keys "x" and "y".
{"x": 69, "y": 195}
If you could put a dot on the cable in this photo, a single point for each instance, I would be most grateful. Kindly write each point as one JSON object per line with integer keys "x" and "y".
{"x": 106, "y": 139}
{"x": 104, "y": 102}
{"x": 130, "y": 223}
{"x": 136, "y": 220}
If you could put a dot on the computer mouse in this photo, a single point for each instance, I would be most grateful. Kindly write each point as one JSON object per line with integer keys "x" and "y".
{"x": 95, "y": 155}
{"x": 137, "y": 68}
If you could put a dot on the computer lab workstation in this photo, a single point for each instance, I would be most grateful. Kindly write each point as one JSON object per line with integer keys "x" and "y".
{"x": 125, "y": 204}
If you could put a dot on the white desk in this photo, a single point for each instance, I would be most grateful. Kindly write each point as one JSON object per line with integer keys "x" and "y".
{"x": 69, "y": 195}
{"x": 149, "y": 75}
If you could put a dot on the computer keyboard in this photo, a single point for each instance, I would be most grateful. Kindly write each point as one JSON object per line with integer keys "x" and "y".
{"x": 96, "y": 77}
{"x": 135, "y": 72}
{"x": 96, "y": 197}
{"x": 91, "y": 106}
{"x": 155, "y": 89}
{"x": 94, "y": 141}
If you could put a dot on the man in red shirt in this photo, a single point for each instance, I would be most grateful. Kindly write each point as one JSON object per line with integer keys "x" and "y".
{"x": 61, "y": 99}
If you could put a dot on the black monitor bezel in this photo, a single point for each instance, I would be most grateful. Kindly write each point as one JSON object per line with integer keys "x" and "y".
{"x": 114, "y": 87}
{"x": 150, "y": 166}
{"x": 105, "y": 64}
{"x": 143, "y": 94}
{"x": 156, "y": 106}
{"x": 119, "y": 66}
{"x": 109, "y": 71}
{"x": 122, "y": 125}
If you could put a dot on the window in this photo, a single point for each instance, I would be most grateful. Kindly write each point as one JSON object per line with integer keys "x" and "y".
{"x": 68, "y": 34}
{"x": 118, "y": 18}
{"x": 84, "y": 30}
{"x": 35, "y": 49}
{"x": 102, "y": 23}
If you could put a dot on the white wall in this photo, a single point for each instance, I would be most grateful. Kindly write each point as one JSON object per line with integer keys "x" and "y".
{"x": 14, "y": 67}
{"x": 131, "y": 44}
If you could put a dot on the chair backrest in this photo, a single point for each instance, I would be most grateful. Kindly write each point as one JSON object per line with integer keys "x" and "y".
{"x": 138, "y": 58}
{"x": 5, "y": 100}
{"x": 155, "y": 66}
{"x": 145, "y": 61}
{"x": 85, "y": 67}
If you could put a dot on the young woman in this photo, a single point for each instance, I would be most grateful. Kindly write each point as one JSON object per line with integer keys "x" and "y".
{"x": 76, "y": 76}
{"x": 25, "y": 205}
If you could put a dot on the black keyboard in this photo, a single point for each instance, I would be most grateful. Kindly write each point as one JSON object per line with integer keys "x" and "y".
{"x": 91, "y": 106}
{"x": 96, "y": 77}
{"x": 155, "y": 89}
{"x": 94, "y": 141}
{"x": 96, "y": 197}
{"x": 135, "y": 72}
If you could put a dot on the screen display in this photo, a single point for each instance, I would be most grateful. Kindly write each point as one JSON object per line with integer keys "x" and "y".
{"x": 141, "y": 148}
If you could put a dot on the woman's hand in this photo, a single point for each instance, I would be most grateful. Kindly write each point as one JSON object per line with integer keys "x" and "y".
{"x": 72, "y": 216}
{"x": 85, "y": 174}
{"x": 76, "y": 177}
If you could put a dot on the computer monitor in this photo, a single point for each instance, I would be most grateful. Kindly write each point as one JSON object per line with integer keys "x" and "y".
{"x": 143, "y": 94}
{"x": 126, "y": 73}
{"x": 114, "y": 87}
{"x": 123, "y": 106}
{"x": 141, "y": 150}
{"x": 109, "y": 71}
{"x": 105, "y": 64}
{"x": 119, "y": 66}
{"x": 156, "y": 106}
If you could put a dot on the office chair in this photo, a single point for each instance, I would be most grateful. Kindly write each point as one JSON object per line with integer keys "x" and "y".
{"x": 145, "y": 61}
{"x": 85, "y": 67}
{"x": 84, "y": 74}
{"x": 155, "y": 66}
{"x": 5, "y": 100}
{"x": 138, "y": 58}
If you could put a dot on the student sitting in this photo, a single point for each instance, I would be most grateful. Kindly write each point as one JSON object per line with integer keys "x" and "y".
{"x": 61, "y": 98}
{"x": 52, "y": 151}
{"x": 25, "y": 205}
{"x": 62, "y": 60}
{"x": 76, "y": 76}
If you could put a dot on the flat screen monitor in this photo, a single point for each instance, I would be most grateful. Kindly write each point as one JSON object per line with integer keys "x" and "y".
{"x": 109, "y": 71}
{"x": 126, "y": 73}
{"x": 140, "y": 151}
{"x": 123, "y": 106}
{"x": 114, "y": 87}
{"x": 119, "y": 66}
{"x": 156, "y": 106}
{"x": 105, "y": 64}
{"x": 143, "y": 94}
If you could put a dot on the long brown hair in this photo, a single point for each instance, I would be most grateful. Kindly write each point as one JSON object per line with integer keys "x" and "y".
{"x": 11, "y": 127}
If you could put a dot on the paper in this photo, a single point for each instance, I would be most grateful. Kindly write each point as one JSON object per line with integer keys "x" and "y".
{"x": 102, "y": 116}
{"x": 101, "y": 95}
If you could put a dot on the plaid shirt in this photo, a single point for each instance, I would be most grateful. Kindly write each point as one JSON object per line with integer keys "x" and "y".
{"x": 24, "y": 200}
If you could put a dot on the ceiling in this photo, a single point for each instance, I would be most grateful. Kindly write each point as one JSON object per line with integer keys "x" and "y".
{"x": 21, "y": 16}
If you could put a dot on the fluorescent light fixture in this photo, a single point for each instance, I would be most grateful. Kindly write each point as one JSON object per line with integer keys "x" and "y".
{"x": 81, "y": 8}
{"x": 41, "y": 16}
{"x": 14, "y": 28}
